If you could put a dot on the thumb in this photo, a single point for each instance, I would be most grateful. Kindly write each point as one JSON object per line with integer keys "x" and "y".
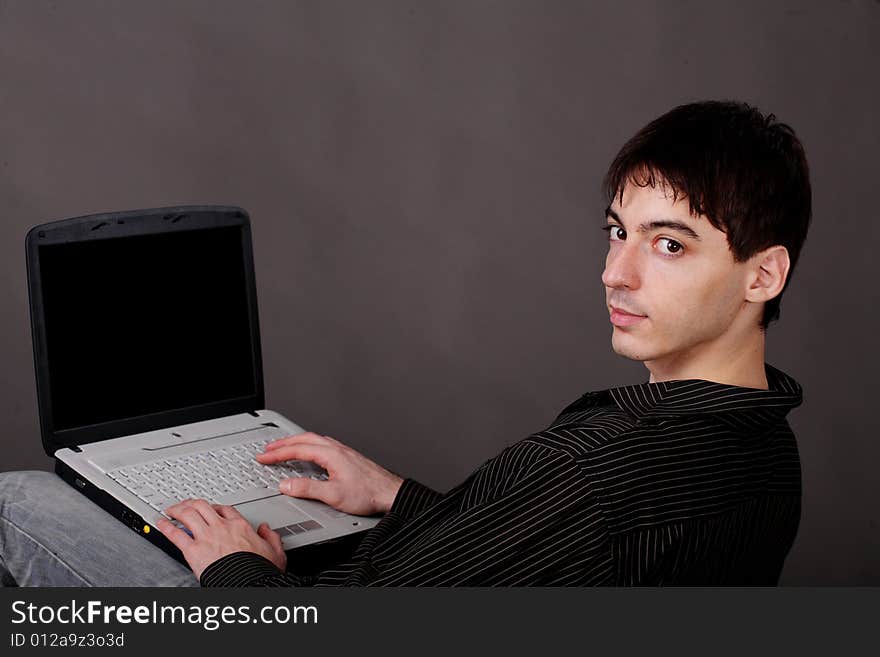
{"x": 267, "y": 534}
{"x": 302, "y": 487}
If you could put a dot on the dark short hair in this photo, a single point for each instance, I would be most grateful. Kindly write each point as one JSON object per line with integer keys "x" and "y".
{"x": 746, "y": 172}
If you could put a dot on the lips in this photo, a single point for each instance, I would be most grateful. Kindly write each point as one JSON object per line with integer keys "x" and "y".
{"x": 622, "y": 311}
{"x": 622, "y": 318}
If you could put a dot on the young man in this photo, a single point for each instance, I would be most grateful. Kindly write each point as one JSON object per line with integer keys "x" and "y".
{"x": 690, "y": 478}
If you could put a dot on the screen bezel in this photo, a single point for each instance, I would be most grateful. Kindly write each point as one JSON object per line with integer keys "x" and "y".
{"x": 129, "y": 224}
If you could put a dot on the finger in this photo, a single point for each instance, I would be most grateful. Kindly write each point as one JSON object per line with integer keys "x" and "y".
{"x": 227, "y": 512}
{"x": 175, "y": 534}
{"x": 191, "y": 518}
{"x": 206, "y": 511}
{"x": 182, "y": 503}
{"x": 316, "y": 453}
{"x": 177, "y": 506}
{"x": 308, "y": 488}
{"x": 305, "y": 438}
{"x": 191, "y": 503}
{"x": 272, "y": 537}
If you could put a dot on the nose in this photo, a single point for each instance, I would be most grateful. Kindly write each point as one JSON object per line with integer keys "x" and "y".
{"x": 621, "y": 267}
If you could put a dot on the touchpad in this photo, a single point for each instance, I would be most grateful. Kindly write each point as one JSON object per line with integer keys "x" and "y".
{"x": 277, "y": 511}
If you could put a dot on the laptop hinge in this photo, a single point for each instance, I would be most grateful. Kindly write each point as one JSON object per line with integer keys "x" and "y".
{"x": 254, "y": 413}
{"x": 75, "y": 448}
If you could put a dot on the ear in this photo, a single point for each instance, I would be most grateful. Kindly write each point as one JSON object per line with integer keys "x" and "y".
{"x": 768, "y": 274}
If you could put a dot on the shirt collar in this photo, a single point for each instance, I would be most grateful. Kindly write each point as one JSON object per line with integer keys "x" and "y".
{"x": 741, "y": 407}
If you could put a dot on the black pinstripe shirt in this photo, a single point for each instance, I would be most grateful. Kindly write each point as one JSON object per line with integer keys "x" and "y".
{"x": 687, "y": 482}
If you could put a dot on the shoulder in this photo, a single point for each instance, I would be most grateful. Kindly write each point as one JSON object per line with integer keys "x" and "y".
{"x": 607, "y": 441}
{"x": 585, "y": 426}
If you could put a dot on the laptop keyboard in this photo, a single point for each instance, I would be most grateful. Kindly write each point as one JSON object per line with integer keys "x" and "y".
{"x": 227, "y": 475}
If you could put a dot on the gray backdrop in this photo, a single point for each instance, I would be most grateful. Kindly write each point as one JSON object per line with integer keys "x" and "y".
{"x": 423, "y": 180}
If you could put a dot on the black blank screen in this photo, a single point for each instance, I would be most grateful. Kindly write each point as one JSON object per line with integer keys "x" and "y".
{"x": 145, "y": 324}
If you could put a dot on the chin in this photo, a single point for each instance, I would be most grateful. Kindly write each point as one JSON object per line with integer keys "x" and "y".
{"x": 629, "y": 346}
{"x": 621, "y": 348}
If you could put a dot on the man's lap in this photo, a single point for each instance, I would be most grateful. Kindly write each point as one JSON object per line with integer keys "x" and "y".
{"x": 51, "y": 535}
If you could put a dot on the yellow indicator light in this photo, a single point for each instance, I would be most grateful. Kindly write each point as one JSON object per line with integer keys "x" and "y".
{"x": 146, "y": 529}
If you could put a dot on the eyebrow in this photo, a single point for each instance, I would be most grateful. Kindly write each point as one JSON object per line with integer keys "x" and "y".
{"x": 644, "y": 227}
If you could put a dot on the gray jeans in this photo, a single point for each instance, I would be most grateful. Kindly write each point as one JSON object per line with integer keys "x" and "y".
{"x": 50, "y": 535}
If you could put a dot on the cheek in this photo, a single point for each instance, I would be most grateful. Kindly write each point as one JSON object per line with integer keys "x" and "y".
{"x": 688, "y": 298}
{"x": 711, "y": 305}
{"x": 671, "y": 292}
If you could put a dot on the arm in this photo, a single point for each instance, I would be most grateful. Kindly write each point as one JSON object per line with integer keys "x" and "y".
{"x": 528, "y": 516}
{"x": 523, "y": 518}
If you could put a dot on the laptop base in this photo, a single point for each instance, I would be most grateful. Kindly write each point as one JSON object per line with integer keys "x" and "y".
{"x": 305, "y": 560}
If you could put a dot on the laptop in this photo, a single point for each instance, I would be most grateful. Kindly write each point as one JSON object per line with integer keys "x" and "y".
{"x": 149, "y": 372}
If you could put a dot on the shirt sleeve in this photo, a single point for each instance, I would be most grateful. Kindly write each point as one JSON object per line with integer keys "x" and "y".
{"x": 413, "y": 498}
{"x": 247, "y": 569}
{"x": 528, "y": 516}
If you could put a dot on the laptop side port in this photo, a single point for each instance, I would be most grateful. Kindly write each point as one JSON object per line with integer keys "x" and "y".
{"x": 134, "y": 521}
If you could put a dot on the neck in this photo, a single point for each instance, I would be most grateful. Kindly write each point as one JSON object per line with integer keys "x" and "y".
{"x": 736, "y": 362}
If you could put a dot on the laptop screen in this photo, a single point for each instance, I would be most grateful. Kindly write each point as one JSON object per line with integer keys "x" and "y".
{"x": 145, "y": 324}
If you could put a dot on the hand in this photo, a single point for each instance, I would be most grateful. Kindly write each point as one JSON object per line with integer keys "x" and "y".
{"x": 217, "y": 531}
{"x": 355, "y": 485}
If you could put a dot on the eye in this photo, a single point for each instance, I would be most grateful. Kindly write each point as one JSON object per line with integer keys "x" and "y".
{"x": 672, "y": 247}
{"x": 615, "y": 233}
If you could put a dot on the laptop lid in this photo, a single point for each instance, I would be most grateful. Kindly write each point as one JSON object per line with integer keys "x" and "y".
{"x": 142, "y": 320}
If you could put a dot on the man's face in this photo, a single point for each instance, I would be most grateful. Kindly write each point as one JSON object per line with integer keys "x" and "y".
{"x": 685, "y": 287}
